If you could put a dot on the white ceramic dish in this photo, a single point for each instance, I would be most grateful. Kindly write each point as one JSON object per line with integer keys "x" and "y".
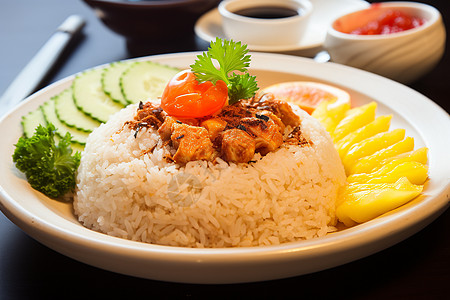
{"x": 209, "y": 26}
{"x": 402, "y": 56}
{"x": 265, "y": 31}
{"x": 53, "y": 223}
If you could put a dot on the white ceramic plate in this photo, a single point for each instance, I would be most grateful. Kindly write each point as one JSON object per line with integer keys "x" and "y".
{"x": 209, "y": 26}
{"x": 53, "y": 223}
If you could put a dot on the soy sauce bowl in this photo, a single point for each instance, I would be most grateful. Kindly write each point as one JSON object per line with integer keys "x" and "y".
{"x": 265, "y": 22}
{"x": 402, "y": 56}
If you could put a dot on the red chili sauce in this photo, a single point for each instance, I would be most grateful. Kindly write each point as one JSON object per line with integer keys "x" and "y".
{"x": 386, "y": 22}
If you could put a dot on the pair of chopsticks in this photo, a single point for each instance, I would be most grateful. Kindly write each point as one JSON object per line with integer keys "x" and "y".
{"x": 31, "y": 76}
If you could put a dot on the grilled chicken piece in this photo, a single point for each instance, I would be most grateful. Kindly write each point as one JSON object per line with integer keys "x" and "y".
{"x": 214, "y": 126}
{"x": 280, "y": 108}
{"x": 166, "y": 128}
{"x": 274, "y": 118}
{"x": 236, "y": 133}
{"x": 165, "y": 131}
{"x": 192, "y": 143}
{"x": 287, "y": 116}
{"x": 266, "y": 133}
{"x": 237, "y": 146}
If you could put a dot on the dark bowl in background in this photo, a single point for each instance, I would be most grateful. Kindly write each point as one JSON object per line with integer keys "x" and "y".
{"x": 148, "y": 22}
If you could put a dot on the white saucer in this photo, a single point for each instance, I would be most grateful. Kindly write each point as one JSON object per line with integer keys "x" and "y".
{"x": 209, "y": 26}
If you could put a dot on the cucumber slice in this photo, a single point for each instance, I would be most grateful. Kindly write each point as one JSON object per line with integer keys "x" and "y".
{"x": 145, "y": 80}
{"x": 77, "y": 147}
{"x": 48, "y": 109}
{"x": 90, "y": 98}
{"x": 31, "y": 121}
{"x": 111, "y": 81}
{"x": 70, "y": 115}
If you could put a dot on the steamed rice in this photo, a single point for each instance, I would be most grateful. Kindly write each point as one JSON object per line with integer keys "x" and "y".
{"x": 126, "y": 188}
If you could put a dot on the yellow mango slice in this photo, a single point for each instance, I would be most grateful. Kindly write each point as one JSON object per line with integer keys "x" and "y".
{"x": 356, "y": 187}
{"x": 329, "y": 114}
{"x": 420, "y": 155}
{"x": 354, "y": 118}
{"x": 380, "y": 124}
{"x": 415, "y": 172}
{"x": 369, "y": 203}
{"x": 343, "y": 218}
{"x": 353, "y": 189}
{"x": 368, "y": 163}
{"x": 371, "y": 145}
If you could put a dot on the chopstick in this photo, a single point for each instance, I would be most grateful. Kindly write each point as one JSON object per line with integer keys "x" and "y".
{"x": 38, "y": 67}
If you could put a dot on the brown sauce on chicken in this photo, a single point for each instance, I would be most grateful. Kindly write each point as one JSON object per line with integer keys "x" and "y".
{"x": 235, "y": 134}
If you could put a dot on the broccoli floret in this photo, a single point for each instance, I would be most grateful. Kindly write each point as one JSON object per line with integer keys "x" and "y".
{"x": 49, "y": 167}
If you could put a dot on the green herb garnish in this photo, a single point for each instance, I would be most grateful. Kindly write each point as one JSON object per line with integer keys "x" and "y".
{"x": 231, "y": 57}
{"x": 49, "y": 167}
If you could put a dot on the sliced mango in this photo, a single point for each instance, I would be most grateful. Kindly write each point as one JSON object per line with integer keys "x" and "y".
{"x": 371, "y": 145}
{"x": 354, "y": 118}
{"x": 371, "y": 201}
{"x": 420, "y": 155}
{"x": 383, "y": 170}
{"x": 380, "y": 124}
{"x": 329, "y": 114}
{"x": 368, "y": 163}
{"x": 415, "y": 172}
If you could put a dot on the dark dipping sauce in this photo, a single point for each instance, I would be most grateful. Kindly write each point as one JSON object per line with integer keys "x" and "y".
{"x": 268, "y": 12}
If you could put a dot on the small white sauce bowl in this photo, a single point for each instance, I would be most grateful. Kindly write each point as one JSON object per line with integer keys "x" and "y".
{"x": 403, "y": 56}
{"x": 265, "y": 32}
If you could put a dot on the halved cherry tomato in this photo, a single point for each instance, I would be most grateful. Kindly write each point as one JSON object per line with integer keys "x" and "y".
{"x": 184, "y": 97}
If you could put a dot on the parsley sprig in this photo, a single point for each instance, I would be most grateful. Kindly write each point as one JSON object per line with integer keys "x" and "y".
{"x": 232, "y": 57}
{"x": 48, "y": 165}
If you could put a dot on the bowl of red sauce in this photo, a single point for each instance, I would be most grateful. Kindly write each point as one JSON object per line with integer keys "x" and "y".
{"x": 399, "y": 40}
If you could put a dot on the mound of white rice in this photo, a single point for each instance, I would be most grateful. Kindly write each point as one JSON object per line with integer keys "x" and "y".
{"x": 126, "y": 190}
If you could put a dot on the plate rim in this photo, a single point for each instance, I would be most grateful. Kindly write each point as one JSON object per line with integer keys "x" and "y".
{"x": 208, "y": 259}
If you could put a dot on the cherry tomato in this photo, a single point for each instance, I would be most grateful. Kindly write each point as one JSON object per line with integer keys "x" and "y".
{"x": 184, "y": 97}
